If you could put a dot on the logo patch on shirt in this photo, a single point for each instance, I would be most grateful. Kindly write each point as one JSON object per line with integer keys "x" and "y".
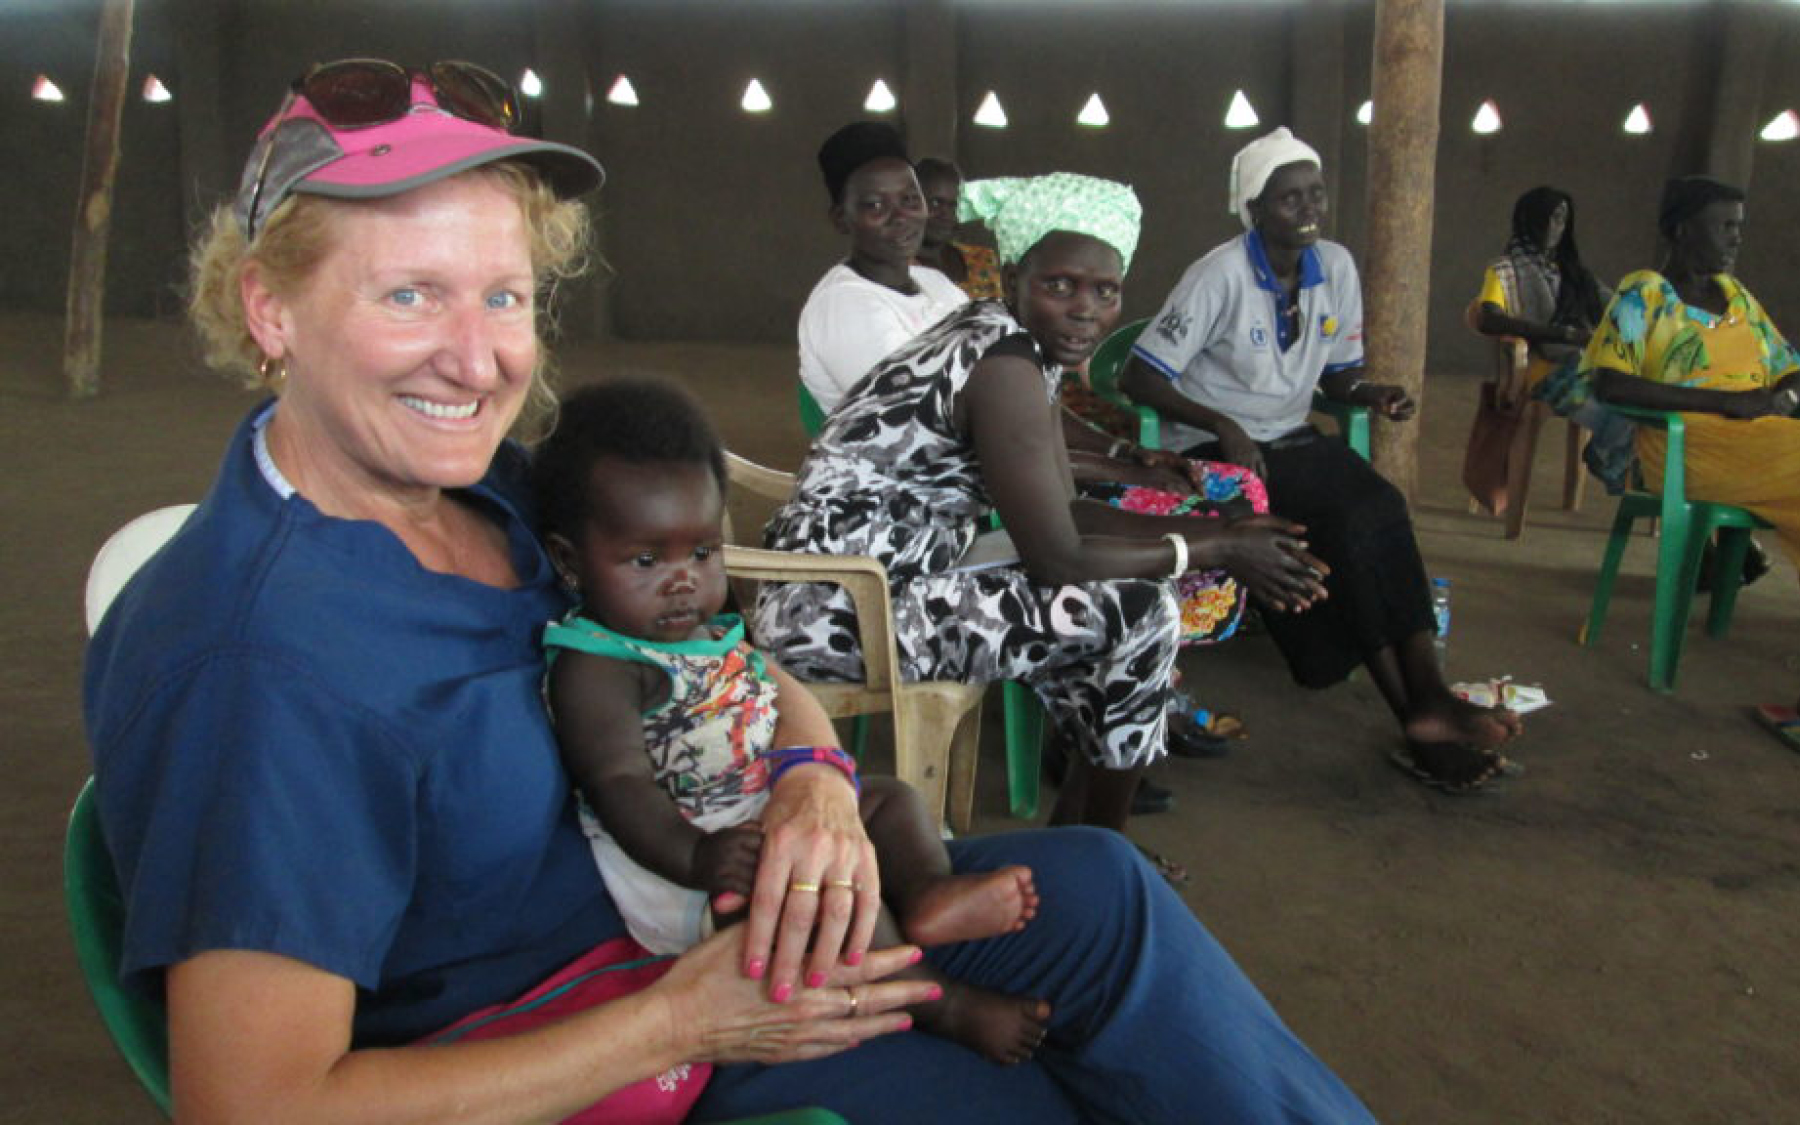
{"x": 1328, "y": 327}
{"x": 1259, "y": 335}
{"x": 1173, "y": 326}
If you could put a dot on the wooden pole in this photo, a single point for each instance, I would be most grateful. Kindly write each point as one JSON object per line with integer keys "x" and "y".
{"x": 93, "y": 221}
{"x": 1409, "y": 54}
{"x": 928, "y": 90}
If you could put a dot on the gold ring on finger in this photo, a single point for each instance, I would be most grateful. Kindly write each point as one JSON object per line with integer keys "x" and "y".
{"x": 804, "y": 888}
{"x": 847, "y": 884}
{"x": 855, "y": 1001}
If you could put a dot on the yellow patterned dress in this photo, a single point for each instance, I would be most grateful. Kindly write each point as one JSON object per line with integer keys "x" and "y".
{"x": 1650, "y": 333}
{"x": 981, "y": 280}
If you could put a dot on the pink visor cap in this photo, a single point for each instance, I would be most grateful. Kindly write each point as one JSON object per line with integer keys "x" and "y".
{"x": 299, "y": 151}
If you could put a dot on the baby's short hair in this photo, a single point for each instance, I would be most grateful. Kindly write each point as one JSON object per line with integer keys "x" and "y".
{"x": 638, "y": 421}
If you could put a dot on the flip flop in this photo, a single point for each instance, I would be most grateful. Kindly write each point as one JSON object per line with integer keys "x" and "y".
{"x": 1782, "y": 722}
{"x": 1173, "y": 873}
{"x": 1497, "y": 767}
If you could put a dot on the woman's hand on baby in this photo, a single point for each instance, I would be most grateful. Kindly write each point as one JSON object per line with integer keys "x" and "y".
{"x": 730, "y": 1019}
{"x": 818, "y": 889}
{"x": 1268, "y": 555}
{"x": 724, "y": 865}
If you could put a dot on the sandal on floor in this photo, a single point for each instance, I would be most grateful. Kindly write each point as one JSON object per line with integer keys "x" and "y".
{"x": 1782, "y": 722}
{"x": 1173, "y": 873}
{"x": 1487, "y": 769}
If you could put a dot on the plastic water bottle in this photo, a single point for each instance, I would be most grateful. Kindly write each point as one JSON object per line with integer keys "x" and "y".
{"x": 1181, "y": 703}
{"x": 1440, "y": 609}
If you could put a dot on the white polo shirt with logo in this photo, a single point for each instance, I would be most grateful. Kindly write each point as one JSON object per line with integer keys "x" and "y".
{"x": 1219, "y": 337}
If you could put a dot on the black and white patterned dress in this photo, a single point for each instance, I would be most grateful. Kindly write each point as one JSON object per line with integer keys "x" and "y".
{"x": 890, "y": 476}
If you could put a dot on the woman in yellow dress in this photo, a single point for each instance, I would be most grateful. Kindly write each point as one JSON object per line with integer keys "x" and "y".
{"x": 1690, "y": 337}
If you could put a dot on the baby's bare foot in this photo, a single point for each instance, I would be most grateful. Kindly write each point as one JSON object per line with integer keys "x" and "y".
{"x": 1006, "y": 1029}
{"x": 971, "y": 907}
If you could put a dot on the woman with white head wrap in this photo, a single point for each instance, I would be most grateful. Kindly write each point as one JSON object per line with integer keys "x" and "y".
{"x": 1232, "y": 362}
{"x": 964, "y": 420}
{"x": 1257, "y": 161}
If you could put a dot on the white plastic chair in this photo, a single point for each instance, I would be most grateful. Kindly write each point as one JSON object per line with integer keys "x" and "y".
{"x": 127, "y": 549}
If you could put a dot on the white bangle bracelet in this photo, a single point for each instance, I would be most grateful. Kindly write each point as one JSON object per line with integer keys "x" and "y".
{"x": 1181, "y": 554}
{"x": 1117, "y": 448}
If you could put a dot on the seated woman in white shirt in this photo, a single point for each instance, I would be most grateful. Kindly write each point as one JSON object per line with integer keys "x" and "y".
{"x": 877, "y": 299}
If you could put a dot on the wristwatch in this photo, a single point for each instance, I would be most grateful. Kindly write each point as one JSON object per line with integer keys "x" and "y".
{"x": 1784, "y": 402}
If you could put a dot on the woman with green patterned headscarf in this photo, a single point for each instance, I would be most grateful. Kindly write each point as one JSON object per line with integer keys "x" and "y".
{"x": 963, "y": 421}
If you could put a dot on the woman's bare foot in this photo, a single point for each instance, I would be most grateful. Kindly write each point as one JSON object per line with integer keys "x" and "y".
{"x": 971, "y": 907}
{"x": 1006, "y": 1029}
{"x": 1453, "y": 719}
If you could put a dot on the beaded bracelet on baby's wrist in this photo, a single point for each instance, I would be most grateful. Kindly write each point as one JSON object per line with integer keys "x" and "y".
{"x": 787, "y": 757}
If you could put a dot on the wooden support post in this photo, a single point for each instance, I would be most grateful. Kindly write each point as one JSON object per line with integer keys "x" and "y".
{"x": 928, "y": 90}
{"x": 93, "y": 220}
{"x": 1746, "y": 68}
{"x": 561, "y": 41}
{"x": 1409, "y": 54}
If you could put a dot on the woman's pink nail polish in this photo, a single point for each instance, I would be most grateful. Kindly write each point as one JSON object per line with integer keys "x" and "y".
{"x": 905, "y": 1023}
{"x": 936, "y": 993}
{"x": 781, "y": 993}
{"x": 756, "y": 969}
{"x": 917, "y": 956}
{"x": 815, "y": 979}
{"x": 853, "y": 959}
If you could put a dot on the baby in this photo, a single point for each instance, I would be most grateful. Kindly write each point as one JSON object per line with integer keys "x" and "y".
{"x": 666, "y": 716}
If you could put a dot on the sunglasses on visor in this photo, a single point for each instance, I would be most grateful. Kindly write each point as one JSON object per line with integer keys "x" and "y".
{"x": 360, "y": 93}
{"x": 355, "y": 94}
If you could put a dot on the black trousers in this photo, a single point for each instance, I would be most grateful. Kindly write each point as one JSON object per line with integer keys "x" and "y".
{"x": 1358, "y": 523}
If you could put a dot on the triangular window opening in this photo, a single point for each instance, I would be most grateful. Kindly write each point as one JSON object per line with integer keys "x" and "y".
{"x": 880, "y": 99}
{"x": 1241, "y": 115}
{"x": 1784, "y": 127}
{"x": 622, "y": 92}
{"x": 1487, "y": 118}
{"x": 990, "y": 115}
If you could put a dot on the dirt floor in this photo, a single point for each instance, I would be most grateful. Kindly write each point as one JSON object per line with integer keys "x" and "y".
{"x": 1612, "y": 939}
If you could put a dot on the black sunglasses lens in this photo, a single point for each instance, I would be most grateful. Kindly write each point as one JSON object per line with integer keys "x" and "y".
{"x": 475, "y": 93}
{"x": 358, "y": 93}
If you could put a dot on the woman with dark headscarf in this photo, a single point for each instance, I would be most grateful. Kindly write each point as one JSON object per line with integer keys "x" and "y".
{"x": 1538, "y": 290}
{"x": 876, "y": 299}
{"x": 1689, "y": 337}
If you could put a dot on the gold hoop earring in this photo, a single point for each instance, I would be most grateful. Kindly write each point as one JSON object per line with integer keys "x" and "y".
{"x": 272, "y": 371}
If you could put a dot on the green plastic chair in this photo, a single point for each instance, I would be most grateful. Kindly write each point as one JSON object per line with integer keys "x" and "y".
{"x": 1109, "y": 363}
{"x": 1104, "y": 369}
{"x": 136, "y": 1020}
{"x": 812, "y": 416}
{"x": 1686, "y": 527}
{"x": 1023, "y": 714}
